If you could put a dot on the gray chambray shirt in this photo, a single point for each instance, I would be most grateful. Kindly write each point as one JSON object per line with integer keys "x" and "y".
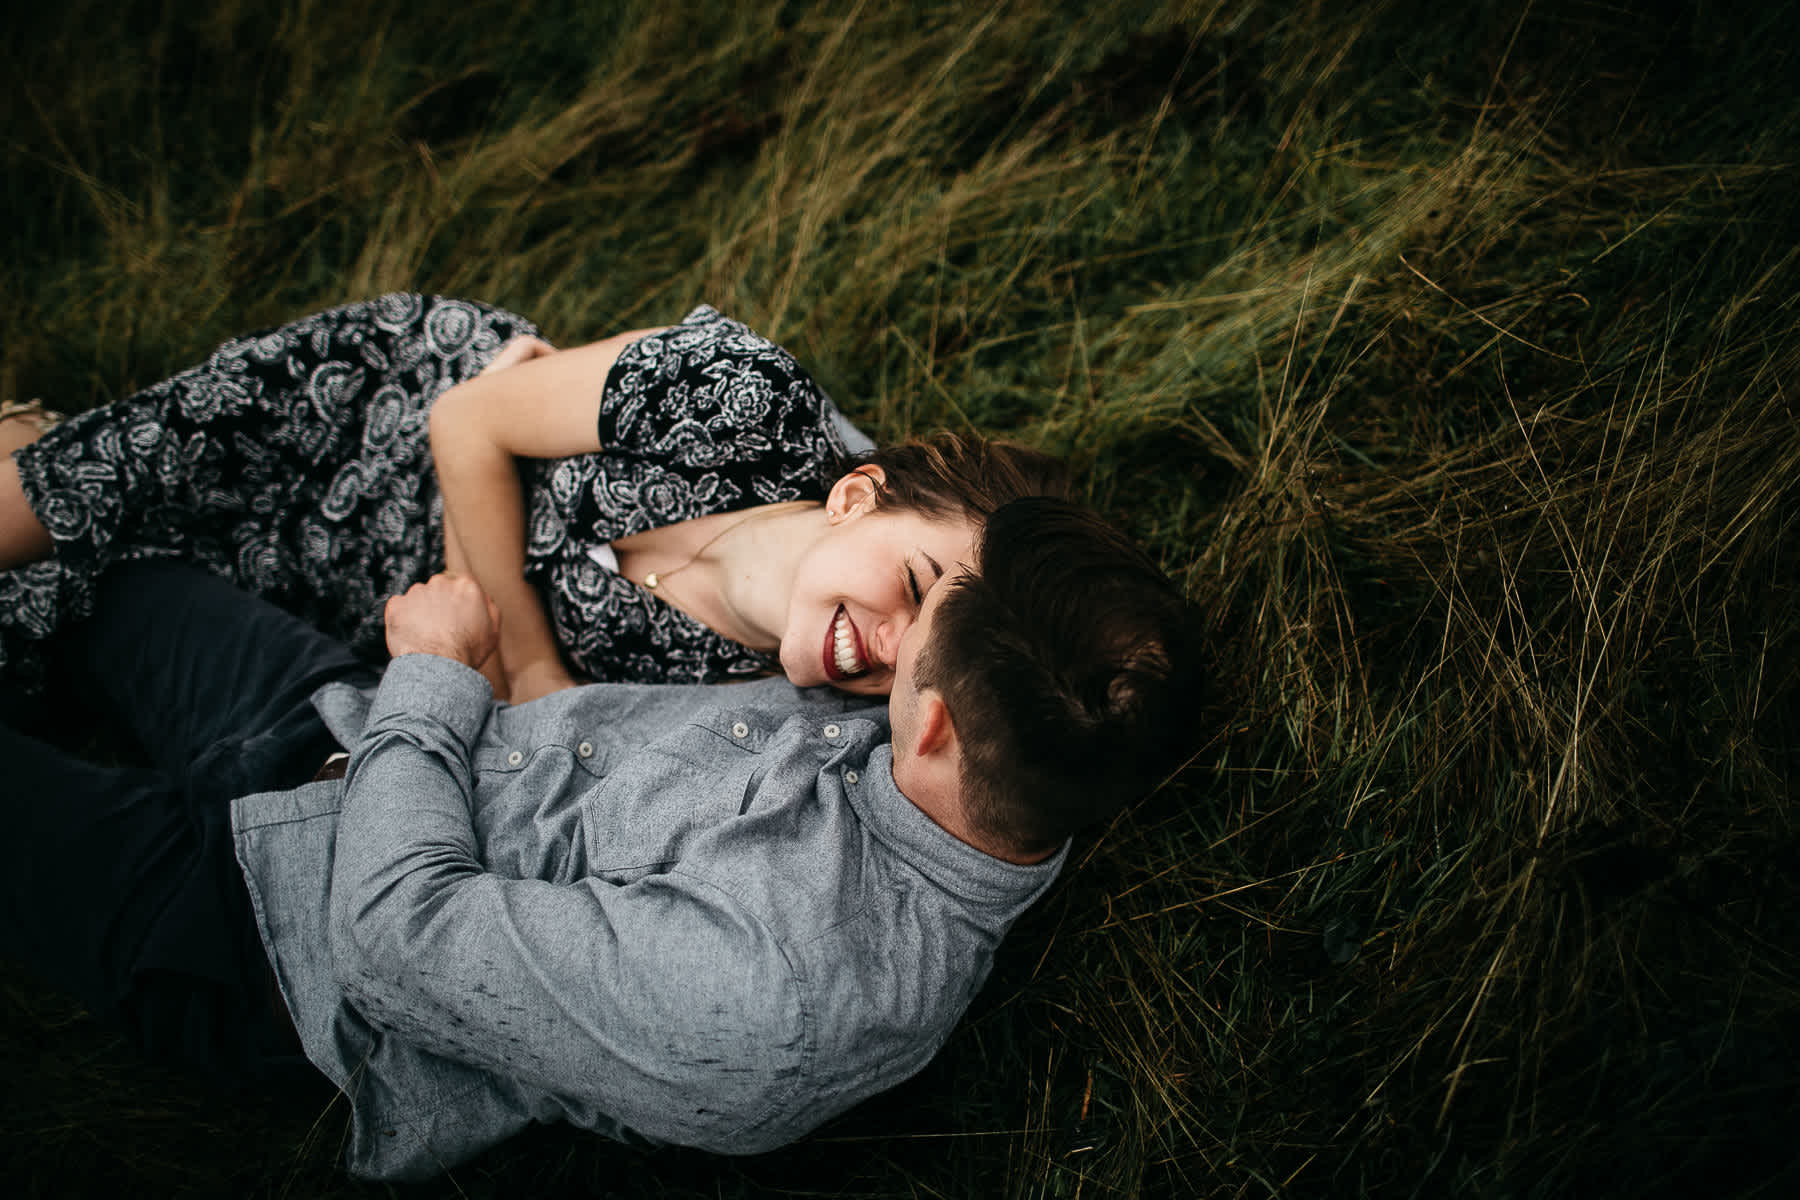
{"x": 696, "y": 915}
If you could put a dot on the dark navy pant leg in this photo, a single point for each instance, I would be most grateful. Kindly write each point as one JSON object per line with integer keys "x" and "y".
{"x": 123, "y": 887}
{"x": 212, "y": 682}
{"x": 94, "y": 856}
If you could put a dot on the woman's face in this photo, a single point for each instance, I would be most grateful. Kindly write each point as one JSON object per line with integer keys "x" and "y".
{"x": 859, "y": 587}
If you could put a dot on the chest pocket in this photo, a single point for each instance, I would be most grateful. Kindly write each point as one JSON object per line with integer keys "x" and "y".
{"x": 654, "y": 804}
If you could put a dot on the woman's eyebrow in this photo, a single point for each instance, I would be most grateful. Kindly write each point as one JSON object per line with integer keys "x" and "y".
{"x": 935, "y": 565}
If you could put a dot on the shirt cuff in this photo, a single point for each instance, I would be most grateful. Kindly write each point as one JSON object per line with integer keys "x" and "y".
{"x": 437, "y": 689}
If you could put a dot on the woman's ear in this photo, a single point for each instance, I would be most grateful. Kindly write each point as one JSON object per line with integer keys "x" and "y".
{"x": 855, "y": 493}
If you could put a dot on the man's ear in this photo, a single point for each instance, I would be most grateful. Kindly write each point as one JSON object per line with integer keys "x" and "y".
{"x": 934, "y": 737}
{"x": 930, "y": 772}
{"x": 854, "y": 494}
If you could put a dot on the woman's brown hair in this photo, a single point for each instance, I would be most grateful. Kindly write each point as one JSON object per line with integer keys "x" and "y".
{"x": 954, "y": 474}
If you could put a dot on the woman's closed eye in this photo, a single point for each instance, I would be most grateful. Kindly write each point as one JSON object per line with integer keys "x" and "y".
{"x": 914, "y": 587}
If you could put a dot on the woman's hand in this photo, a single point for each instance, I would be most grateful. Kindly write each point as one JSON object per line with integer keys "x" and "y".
{"x": 520, "y": 349}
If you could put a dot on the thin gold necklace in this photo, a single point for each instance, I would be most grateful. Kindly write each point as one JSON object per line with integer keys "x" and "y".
{"x": 656, "y": 579}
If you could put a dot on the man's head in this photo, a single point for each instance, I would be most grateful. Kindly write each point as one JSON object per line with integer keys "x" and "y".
{"x": 1045, "y": 687}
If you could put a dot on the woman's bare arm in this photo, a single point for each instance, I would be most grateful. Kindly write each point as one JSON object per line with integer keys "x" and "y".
{"x": 457, "y": 563}
{"x": 545, "y": 407}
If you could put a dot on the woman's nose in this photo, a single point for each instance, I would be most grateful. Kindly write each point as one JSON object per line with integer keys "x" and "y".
{"x": 887, "y": 639}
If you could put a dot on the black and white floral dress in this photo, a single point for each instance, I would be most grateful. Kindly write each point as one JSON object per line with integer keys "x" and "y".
{"x": 296, "y": 462}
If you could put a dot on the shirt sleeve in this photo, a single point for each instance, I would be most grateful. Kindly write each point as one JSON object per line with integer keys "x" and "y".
{"x": 660, "y": 1003}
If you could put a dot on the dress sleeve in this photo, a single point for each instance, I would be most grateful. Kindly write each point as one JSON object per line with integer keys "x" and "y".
{"x": 723, "y": 407}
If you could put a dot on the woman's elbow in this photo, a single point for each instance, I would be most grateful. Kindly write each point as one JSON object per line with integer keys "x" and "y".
{"x": 450, "y": 418}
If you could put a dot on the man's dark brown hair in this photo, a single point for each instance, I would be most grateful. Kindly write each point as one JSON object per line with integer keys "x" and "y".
{"x": 1064, "y": 663}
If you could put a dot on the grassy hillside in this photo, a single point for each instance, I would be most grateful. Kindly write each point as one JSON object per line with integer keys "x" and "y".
{"x": 1446, "y": 353}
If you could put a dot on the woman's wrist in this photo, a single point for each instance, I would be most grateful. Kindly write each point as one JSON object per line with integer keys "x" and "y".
{"x": 539, "y": 677}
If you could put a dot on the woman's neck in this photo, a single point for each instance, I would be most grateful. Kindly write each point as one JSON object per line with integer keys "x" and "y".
{"x": 751, "y": 571}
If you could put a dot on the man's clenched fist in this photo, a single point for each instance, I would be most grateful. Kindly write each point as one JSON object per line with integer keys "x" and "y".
{"x": 447, "y": 615}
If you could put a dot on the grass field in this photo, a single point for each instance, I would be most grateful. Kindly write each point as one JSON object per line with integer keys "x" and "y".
{"x": 1446, "y": 353}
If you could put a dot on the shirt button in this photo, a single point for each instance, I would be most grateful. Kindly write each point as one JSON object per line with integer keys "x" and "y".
{"x": 514, "y": 759}
{"x": 740, "y": 730}
{"x": 850, "y": 776}
{"x": 586, "y": 749}
{"x": 831, "y": 731}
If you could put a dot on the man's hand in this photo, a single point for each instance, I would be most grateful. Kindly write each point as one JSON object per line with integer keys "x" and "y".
{"x": 447, "y": 615}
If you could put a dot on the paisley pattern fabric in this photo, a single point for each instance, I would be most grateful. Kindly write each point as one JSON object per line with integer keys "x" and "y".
{"x": 295, "y": 462}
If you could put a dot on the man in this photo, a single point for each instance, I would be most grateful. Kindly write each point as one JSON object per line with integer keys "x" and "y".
{"x": 708, "y": 916}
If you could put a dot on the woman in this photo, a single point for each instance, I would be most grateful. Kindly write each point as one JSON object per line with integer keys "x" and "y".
{"x": 669, "y": 504}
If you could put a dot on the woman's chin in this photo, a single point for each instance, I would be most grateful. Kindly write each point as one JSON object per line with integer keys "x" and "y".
{"x": 875, "y": 687}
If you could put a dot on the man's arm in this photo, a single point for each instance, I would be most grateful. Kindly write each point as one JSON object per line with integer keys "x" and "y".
{"x": 662, "y": 1004}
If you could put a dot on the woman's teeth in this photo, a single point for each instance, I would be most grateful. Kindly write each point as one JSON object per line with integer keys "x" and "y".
{"x": 844, "y": 646}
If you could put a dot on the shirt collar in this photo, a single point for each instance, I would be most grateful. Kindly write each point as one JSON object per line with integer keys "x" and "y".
{"x": 948, "y": 862}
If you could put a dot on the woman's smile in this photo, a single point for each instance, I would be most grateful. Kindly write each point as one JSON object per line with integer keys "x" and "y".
{"x": 845, "y": 657}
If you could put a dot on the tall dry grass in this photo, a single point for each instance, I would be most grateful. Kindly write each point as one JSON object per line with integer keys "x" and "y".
{"x": 1446, "y": 358}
